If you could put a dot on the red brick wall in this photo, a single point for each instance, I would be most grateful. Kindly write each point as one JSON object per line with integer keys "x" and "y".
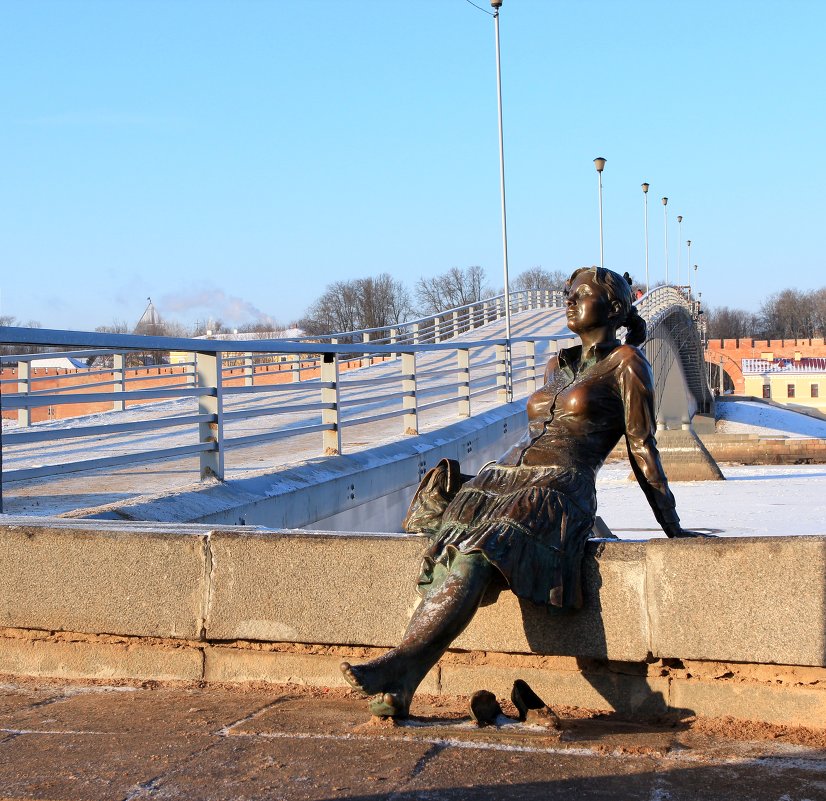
{"x": 733, "y": 350}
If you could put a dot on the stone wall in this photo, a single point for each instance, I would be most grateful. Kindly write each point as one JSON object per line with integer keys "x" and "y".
{"x": 716, "y": 627}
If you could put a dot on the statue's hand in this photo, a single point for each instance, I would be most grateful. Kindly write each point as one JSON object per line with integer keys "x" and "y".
{"x": 678, "y": 532}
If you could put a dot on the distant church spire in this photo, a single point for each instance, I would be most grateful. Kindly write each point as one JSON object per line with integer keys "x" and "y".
{"x": 150, "y": 323}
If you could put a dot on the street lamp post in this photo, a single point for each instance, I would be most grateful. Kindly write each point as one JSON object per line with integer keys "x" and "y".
{"x": 645, "y": 219}
{"x": 688, "y": 265}
{"x": 679, "y": 249}
{"x": 599, "y": 163}
{"x": 665, "y": 219}
{"x": 496, "y": 5}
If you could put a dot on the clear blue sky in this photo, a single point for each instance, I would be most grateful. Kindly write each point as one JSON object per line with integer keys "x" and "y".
{"x": 230, "y": 158}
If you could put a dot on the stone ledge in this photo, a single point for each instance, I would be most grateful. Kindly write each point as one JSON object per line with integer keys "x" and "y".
{"x": 94, "y": 578}
{"x": 749, "y": 599}
{"x": 96, "y": 660}
{"x": 743, "y": 600}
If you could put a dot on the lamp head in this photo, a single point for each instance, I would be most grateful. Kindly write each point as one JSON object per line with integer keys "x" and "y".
{"x": 645, "y": 188}
{"x": 599, "y": 163}
{"x": 679, "y": 218}
{"x": 688, "y": 242}
{"x": 665, "y": 201}
{"x": 497, "y": 4}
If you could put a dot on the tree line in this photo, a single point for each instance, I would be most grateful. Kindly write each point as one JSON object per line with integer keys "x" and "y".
{"x": 384, "y": 302}
{"x": 788, "y": 314}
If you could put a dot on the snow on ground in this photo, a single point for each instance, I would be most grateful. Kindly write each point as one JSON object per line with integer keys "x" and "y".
{"x": 748, "y": 417}
{"x": 754, "y": 501}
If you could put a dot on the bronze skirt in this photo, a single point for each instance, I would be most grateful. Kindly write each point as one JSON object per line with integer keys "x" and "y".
{"x": 531, "y": 523}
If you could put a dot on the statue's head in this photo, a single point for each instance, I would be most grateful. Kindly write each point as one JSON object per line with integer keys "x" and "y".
{"x": 619, "y": 302}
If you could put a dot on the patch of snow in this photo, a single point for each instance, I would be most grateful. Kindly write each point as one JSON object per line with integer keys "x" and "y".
{"x": 754, "y": 501}
{"x": 748, "y": 417}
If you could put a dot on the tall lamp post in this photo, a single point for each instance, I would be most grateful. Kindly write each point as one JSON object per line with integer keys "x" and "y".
{"x": 645, "y": 223}
{"x": 679, "y": 248}
{"x": 688, "y": 265}
{"x": 496, "y": 5}
{"x": 665, "y": 220}
{"x": 599, "y": 163}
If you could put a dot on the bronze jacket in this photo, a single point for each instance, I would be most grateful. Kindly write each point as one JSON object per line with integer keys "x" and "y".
{"x": 586, "y": 405}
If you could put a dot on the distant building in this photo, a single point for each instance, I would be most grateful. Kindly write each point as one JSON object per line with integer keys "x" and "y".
{"x": 800, "y": 380}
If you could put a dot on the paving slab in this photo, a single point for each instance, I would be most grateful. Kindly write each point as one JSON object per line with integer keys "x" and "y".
{"x": 75, "y": 742}
{"x": 254, "y": 769}
{"x": 90, "y": 767}
{"x": 130, "y": 710}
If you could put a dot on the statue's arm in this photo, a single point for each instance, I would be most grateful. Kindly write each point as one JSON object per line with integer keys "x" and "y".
{"x": 637, "y": 388}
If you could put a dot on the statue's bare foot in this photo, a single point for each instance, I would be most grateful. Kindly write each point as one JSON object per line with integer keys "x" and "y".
{"x": 351, "y": 677}
{"x": 364, "y": 678}
{"x": 390, "y": 705}
{"x": 391, "y": 693}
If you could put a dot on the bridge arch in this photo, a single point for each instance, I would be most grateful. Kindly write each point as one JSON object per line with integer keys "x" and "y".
{"x": 716, "y": 361}
{"x": 674, "y": 348}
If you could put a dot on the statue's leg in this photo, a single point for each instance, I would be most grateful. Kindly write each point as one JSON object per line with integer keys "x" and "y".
{"x": 439, "y": 619}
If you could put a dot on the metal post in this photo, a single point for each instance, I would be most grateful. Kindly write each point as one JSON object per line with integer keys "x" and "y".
{"x": 665, "y": 219}
{"x": 208, "y": 372}
{"x": 410, "y": 418}
{"x": 530, "y": 364}
{"x": 501, "y": 373}
{"x": 485, "y": 313}
{"x": 508, "y": 375}
{"x": 455, "y": 324}
{"x": 645, "y": 216}
{"x": 331, "y": 438}
{"x": 599, "y": 163}
{"x": 679, "y": 246}
{"x": 437, "y": 336}
{"x": 366, "y": 362}
{"x": 463, "y": 381}
{"x": 415, "y": 333}
{"x": 688, "y": 265}
{"x": 118, "y": 382}
{"x": 24, "y": 415}
{"x": 249, "y": 371}
{"x": 394, "y": 337}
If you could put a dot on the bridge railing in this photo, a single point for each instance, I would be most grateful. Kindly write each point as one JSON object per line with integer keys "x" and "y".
{"x": 450, "y": 323}
{"x": 112, "y": 369}
{"x": 221, "y": 401}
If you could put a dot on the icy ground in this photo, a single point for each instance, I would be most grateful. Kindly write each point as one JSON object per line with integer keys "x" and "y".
{"x": 754, "y": 501}
{"x": 747, "y": 417}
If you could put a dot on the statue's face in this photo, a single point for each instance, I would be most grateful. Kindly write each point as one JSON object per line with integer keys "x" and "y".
{"x": 588, "y": 304}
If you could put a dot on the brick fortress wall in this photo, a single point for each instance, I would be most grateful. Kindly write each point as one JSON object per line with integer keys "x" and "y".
{"x": 733, "y": 351}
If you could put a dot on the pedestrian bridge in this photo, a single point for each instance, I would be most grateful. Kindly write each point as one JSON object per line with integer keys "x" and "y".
{"x": 256, "y": 420}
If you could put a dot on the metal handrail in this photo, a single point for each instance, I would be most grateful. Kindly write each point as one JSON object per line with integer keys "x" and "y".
{"x": 325, "y": 404}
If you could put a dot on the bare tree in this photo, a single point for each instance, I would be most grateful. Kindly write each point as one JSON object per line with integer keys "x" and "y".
{"x": 8, "y": 350}
{"x": 537, "y": 278}
{"x": 379, "y": 302}
{"x": 792, "y": 314}
{"x": 726, "y": 323}
{"x": 456, "y": 287}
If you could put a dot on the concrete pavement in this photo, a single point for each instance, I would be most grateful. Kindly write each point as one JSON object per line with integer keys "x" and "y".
{"x": 73, "y": 743}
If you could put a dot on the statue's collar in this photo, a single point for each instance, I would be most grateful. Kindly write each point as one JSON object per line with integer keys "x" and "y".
{"x": 574, "y": 360}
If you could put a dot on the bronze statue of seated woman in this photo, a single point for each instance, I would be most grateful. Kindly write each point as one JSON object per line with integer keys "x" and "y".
{"x": 526, "y": 517}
